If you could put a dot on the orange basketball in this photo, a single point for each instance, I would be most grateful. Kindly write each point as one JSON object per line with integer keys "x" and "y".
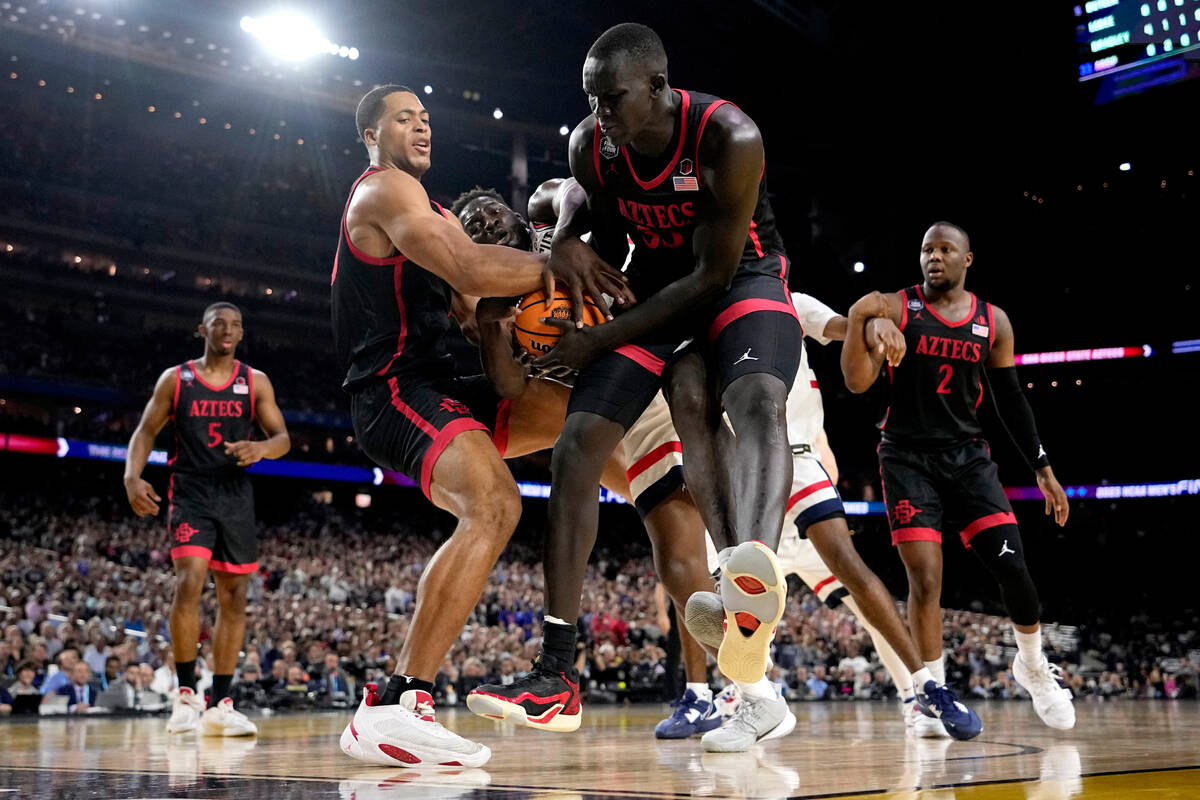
{"x": 536, "y": 336}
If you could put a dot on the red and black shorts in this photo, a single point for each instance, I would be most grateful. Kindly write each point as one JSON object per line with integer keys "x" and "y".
{"x": 751, "y": 328}
{"x": 404, "y": 423}
{"x": 212, "y": 517}
{"x": 927, "y": 490}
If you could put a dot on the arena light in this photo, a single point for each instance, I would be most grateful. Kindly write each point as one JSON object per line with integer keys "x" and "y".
{"x": 1093, "y": 354}
{"x": 428, "y": 89}
{"x": 1186, "y": 346}
{"x": 498, "y": 114}
{"x": 292, "y": 37}
{"x": 1126, "y": 166}
{"x": 564, "y": 130}
{"x": 859, "y": 266}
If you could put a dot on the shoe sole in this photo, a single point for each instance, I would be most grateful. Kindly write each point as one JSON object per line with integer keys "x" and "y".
{"x": 497, "y": 708}
{"x": 704, "y": 617}
{"x": 753, "y": 590}
{"x": 352, "y": 746}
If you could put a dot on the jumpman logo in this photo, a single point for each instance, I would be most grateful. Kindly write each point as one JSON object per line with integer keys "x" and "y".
{"x": 1004, "y": 548}
{"x": 746, "y": 357}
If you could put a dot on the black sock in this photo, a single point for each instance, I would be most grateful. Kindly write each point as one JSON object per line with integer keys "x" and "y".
{"x": 220, "y": 689}
{"x": 558, "y": 645}
{"x": 398, "y": 685}
{"x": 186, "y": 672}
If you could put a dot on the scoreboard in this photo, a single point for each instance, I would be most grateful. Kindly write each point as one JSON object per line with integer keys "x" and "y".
{"x": 1136, "y": 44}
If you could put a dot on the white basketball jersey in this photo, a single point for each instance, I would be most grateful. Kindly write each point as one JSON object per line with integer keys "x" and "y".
{"x": 805, "y": 414}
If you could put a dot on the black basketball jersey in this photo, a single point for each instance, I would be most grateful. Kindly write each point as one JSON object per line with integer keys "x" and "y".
{"x": 389, "y": 314}
{"x": 206, "y": 417}
{"x": 656, "y": 198}
{"x": 938, "y": 387}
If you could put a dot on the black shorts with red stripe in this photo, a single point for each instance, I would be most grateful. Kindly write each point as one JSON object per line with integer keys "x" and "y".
{"x": 212, "y": 517}
{"x": 754, "y": 328}
{"x": 751, "y": 328}
{"x": 958, "y": 487}
{"x": 405, "y": 422}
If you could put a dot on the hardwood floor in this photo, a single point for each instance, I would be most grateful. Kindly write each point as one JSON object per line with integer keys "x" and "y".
{"x": 1117, "y": 750}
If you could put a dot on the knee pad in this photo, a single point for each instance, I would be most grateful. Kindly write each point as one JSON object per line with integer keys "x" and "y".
{"x": 1001, "y": 551}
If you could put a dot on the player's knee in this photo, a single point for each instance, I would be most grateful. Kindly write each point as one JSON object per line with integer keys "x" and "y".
{"x": 496, "y": 509}
{"x": 925, "y": 586}
{"x": 189, "y": 586}
{"x": 756, "y": 402}
{"x": 688, "y": 404}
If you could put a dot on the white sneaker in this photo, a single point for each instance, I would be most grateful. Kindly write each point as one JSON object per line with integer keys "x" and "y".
{"x": 921, "y": 726}
{"x": 1051, "y": 701}
{"x": 223, "y": 720}
{"x": 756, "y": 719}
{"x": 186, "y": 709}
{"x": 407, "y": 735}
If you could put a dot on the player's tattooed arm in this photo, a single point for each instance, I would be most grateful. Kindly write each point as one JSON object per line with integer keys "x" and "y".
{"x": 270, "y": 420}
{"x": 495, "y": 317}
{"x": 1017, "y": 416}
{"x": 142, "y": 497}
{"x": 872, "y": 337}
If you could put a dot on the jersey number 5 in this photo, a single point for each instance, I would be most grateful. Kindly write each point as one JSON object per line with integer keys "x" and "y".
{"x": 947, "y": 373}
{"x": 214, "y": 434}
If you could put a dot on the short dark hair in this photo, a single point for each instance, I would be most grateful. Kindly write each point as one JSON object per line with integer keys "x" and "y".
{"x": 29, "y": 665}
{"x": 371, "y": 105}
{"x": 634, "y": 41}
{"x": 944, "y": 224}
{"x": 467, "y": 197}
{"x": 218, "y": 306}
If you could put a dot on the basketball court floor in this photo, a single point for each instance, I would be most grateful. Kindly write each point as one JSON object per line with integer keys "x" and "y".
{"x": 1122, "y": 749}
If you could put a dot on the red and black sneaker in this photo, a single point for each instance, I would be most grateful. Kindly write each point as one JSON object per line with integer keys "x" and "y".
{"x": 546, "y": 698}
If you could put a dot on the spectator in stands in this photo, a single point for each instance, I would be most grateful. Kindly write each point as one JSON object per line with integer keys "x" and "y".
{"x": 165, "y": 680}
{"x": 66, "y": 661}
{"x": 81, "y": 691}
{"x": 112, "y": 671}
{"x": 818, "y": 687}
{"x": 122, "y": 690}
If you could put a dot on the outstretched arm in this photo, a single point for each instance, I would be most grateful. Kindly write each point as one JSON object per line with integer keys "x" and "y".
{"x": 872, "y": 337}
{"x": 142, "y": 497}
{"x": 1017, "y": 416}
{"x": 270, "y": 419}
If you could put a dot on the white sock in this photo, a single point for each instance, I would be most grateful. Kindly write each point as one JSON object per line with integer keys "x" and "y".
{"x": 761, "y": 689}
{"x": 920, "y": 678}
{"x": 1029, "y": 646}
{"x": 701, "y": 690}
{"x": 938, "y": 669}
{"x": 556, "y": 620}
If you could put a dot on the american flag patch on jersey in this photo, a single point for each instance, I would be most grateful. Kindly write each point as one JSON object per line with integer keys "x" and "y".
{"x": 979, "y": 330}
{"x": 686, "y": 183}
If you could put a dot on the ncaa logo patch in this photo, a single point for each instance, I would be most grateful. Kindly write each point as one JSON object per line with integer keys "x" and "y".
{"x": 240, "y": 387}
{"x": 915, "y": 305}
{"x": 685, "y": 167}
{"x": 607, "y": 148}
{"x": 187, "y": 375}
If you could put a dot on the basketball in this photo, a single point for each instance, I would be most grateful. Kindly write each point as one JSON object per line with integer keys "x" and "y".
{"x": 536, "y": 336}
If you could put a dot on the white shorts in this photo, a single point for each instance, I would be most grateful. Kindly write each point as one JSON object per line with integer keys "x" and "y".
{"x": 655, "y": 457}
{"x": 813, "y": 499}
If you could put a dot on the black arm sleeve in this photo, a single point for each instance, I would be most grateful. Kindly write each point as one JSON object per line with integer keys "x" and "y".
{"x": 1016, "y": 415}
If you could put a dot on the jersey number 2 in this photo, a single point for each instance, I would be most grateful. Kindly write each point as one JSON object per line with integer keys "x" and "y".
{"x": 214, "y": 434}
{"x": 947, "y": 373}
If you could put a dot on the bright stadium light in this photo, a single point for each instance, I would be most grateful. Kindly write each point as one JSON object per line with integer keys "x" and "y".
{"x": 564, "y": 130}
{"x": 498, "y": 114}
{"x": 291, "y": 37}
{"x": 859, "y": 266}
{"x": 1126, "y": 166}
{"x": 428, "y": 89}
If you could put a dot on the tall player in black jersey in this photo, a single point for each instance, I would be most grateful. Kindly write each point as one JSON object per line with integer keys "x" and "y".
{"x": 214, "y": 402}
{"x": 938, "y": 339}
{"x": 401, "y": 262}
{"x": 681, "y": 173}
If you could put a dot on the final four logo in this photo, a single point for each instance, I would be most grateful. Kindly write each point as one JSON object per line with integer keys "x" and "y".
{"x": 607, "y": 148}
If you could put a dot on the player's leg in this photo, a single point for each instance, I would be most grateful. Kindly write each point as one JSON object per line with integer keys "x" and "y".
{"x": 609, "y": 396}
{"x": 754, "y": 354}
{"x": 220, "y": 719}
{"x": 533, "y": 419}
{"x": 993, "y": 536}
{"x": 193, "y": 536}
{"x": 708, "y": 444}
{"x": 419, "y": 427}
{"x": 677, "y": 538}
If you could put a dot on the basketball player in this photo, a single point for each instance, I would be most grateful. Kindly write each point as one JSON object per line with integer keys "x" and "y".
{"x": 936, "y": 468}
{"x": 401, "y": 262}
{"x": 681, "y": 173}
{"x": 646, "y": 468}
{"x": 814, "y": 506}
{"x": 214, "y": 402}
